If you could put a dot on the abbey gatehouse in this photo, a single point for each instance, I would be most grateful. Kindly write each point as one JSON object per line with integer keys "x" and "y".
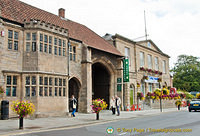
{"x": 46, "y": 58}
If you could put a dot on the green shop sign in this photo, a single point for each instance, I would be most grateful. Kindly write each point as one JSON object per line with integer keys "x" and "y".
{"x": 126, "y": 70}
{"x": 119, "y": 80}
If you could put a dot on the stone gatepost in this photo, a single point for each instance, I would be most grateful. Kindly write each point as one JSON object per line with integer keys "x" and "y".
{"x": 126, "y": 95}
{"x": 86, "y": 89}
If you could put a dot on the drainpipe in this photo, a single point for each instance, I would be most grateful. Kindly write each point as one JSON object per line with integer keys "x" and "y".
{"x": 68, "y": 62}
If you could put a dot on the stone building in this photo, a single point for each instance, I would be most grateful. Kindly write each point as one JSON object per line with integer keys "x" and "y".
{"x": 45, "y": 58}
{"x": 148, "y": 66}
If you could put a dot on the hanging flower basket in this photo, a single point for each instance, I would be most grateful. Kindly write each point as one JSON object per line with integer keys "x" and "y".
{"x": 159, "y": 79}
{"x": 182, "y": 95}
{"x": 138, "y": 85}
{"x": 97, "y": 106}
{"x": 145, "y": 77}
{"x": 140, "y": 96}
{"x": 1, "y": 90}
{"x": 149, "y": 70}
{"x": 142, "y": 68}
{"x": 178, "y": 102}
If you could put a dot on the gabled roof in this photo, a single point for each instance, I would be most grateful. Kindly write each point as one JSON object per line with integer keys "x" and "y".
{"x": 17, "y": 11}
{"x": 139, "y": 43}
{"x": 152, "y": 43}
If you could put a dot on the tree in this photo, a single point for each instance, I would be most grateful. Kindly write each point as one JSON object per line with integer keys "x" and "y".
{"x": 186, "y": 73}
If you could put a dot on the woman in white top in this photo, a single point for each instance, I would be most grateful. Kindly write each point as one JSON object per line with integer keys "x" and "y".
{"x": 113, "y": 105}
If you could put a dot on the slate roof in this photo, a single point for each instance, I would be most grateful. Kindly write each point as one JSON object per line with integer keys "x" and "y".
{"x": 18, "y": 11}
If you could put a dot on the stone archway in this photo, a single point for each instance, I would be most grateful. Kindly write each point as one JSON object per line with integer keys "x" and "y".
{"x": 74, "y": 89}
{"x": 101, "y": 82}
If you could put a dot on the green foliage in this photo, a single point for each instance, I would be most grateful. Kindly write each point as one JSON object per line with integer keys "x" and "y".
{"x": 187, "y": 94}
{"x": 187, "y": 73}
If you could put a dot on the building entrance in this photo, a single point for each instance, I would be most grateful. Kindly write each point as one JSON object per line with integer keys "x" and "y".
{"x": 74, "y": 87}
{"x": 100, "y": 82}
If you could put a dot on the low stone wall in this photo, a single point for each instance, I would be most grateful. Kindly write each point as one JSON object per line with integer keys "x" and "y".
{"x": 155, "y": 104}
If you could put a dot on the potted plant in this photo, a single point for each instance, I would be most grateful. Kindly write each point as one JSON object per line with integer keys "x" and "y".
{"x": 97, "y": 106}
{"x": 22, "y": 109}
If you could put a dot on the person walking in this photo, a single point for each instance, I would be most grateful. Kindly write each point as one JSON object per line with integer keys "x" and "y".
{"x": 113, "y": 105}
{"x": 73, "y": 104}
{"x": 118, "y": 103}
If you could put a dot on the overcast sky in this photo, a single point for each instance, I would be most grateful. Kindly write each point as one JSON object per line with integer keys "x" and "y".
{"x": 173, "y": 25}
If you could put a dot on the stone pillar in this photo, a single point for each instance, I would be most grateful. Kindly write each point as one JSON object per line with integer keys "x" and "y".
{"x": 86, "y": 89}
{"x": 126, "y": 95}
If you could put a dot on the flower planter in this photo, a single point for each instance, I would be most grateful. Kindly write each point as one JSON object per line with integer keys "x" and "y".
{"x": 97, "y": 106}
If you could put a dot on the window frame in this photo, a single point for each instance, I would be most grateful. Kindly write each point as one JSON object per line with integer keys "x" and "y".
{"x": 142, "y": 60}
{"x": 13, "y": 41}
{"x": 12, "y": 85}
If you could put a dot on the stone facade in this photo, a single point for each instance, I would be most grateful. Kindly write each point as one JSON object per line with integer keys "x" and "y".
{"x": 132, "y": 50}
{"x": 46, "y": 58}
{"x": 26, "y": 66}
{"x": 40, "y": 62}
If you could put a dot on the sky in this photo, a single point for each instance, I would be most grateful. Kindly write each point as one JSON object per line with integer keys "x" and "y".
{"x": 173, "y": 25}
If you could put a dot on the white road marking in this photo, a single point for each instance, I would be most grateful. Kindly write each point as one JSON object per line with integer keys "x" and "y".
{"x": 123, "y": 133}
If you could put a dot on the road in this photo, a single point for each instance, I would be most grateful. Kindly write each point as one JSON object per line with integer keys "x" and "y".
{"x": 179, "y": 123}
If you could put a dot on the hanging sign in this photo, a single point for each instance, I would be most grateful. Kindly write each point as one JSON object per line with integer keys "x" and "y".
{"x": 126, "y": 70}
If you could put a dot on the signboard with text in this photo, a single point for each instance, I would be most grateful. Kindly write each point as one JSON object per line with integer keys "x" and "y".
{"x": 152, "y": 79}
{"x": 126, "y": 70}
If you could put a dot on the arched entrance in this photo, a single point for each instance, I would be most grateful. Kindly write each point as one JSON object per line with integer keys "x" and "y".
{"x": 74, "y": 87}
{"x": 101, "y": 79}
{"x": 132, "y": 94}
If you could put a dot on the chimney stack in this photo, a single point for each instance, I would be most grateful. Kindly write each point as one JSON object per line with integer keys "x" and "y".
{"x": 61, "y": 12}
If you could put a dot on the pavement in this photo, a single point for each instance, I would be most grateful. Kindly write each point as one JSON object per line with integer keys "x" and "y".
{"x": 11, "y": 126}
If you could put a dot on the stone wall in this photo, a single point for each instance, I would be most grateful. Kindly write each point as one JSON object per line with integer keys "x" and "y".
{"x": 165, "y": 104}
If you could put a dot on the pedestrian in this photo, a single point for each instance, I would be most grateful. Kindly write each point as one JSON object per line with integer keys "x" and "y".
{"x": 113, "y": 105}
{"x": 73, "y": 104}
{"x": 118, "y": 103}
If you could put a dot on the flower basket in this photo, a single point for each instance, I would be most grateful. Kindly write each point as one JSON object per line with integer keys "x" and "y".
{"x": 138, "y": 85}
{"x": 198, "y": 96}
{"x": 140, "y": 96}
{"x": 142, "y": 68}
{"x": 159, "y": 79}
{"x": 22, "y": 109}
{"x": 97, "y": 106}
{"x": 182, "y": 95}
{"x": 145, "y": 78}
{"x": 178, "y": 103}
{"x": 149, "y": 70}
{"x": 155, "y": 71}
{"x": 1, "y": 90}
